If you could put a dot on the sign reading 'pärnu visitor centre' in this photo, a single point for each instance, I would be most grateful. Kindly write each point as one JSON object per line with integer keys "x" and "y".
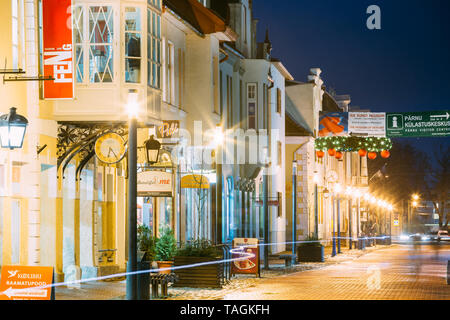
{"x": 418, "y": 124}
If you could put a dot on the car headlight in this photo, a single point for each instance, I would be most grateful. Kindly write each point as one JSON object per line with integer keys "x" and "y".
{"x": 425, "y": 238}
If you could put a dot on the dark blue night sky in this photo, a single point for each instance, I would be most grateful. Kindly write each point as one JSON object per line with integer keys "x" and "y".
{"x": 403, "y": 67}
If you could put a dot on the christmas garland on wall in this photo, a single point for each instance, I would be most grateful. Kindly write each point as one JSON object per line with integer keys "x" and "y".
{"x": 364, "y": 146}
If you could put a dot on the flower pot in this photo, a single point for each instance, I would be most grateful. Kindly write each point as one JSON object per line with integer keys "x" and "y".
{"x": 165, "y": 265}
{"x": 311, "y": 254}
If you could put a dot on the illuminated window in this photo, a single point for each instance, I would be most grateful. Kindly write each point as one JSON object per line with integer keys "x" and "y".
{"x": 94, "y": 43}
{"x": 133, "y": 38}
{"x": 154, "y": 43}
{"x": 18, "y": 35}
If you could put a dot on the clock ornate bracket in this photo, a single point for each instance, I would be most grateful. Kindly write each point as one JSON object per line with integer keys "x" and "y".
{"x": 78, "y": 139}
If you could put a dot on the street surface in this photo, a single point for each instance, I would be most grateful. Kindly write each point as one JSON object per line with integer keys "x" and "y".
{"x": 404, "y": 272}
{"x": 400, "y": 271}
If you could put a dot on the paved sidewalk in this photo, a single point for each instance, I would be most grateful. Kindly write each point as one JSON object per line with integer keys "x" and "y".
{"x": 402, "y": 272}
{"x": 115, "y": 289}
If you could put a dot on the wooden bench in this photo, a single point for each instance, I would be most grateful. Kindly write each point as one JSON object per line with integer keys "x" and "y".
{"x": 289, "y": 259}
{"x": 161, "y": 280}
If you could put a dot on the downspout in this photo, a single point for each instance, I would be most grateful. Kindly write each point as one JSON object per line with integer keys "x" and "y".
{"x": 227, "y": 56}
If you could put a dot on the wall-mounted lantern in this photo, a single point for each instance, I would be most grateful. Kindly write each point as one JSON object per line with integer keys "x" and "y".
{"x": 12, "y": 130}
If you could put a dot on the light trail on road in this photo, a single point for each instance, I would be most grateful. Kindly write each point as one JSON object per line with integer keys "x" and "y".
{"x": 240, "y": 251}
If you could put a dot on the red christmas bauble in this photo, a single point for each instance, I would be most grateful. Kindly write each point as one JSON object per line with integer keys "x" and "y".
{"x": 385, "y": 154}
{"x": 362, "y": 153}
{"x": 372, "y": 155}
{"x": 320, "y": 154}
{"x": 339, "y": 155}
{"x": 331, "y": 152}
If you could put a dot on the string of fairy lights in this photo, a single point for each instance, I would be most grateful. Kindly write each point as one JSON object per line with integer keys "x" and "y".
{"x": 370, "y": 146}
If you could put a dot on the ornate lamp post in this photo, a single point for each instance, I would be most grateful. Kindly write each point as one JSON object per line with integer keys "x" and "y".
{"x": 12, "y": 130}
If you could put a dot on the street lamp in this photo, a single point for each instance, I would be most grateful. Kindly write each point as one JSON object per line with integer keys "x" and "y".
{"x": 131, "y": 281}
{"x": 338, "y": 190}
{"x": 152, "y": 147}
{"x": 12, "y": 129}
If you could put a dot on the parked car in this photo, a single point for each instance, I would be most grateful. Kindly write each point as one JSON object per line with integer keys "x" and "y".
{"x": 442, "y": 235}
{"x": 416, "y": 237}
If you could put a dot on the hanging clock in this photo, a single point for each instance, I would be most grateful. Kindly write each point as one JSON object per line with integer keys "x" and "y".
{"x": 110, "y": 148}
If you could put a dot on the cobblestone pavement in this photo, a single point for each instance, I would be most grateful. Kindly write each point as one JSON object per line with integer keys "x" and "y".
{"x": 396, "y": 272}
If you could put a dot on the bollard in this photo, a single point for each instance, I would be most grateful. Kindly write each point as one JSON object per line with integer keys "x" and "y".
{"x": 448, "y": 272}
{"x": 143, "y": 281}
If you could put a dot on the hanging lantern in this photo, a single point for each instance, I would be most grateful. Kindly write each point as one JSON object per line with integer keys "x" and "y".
{"x": 12, "y": 130}
{"x": 320, "y": 154}
{"x": 362, "y": 153}
{"x": 331, "y": 152}
{"x": 385, "y": 154}
{"x": 372, "y": 155}
{"x": 339, "y": 155}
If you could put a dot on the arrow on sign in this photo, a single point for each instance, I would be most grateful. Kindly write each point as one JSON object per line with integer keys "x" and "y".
{"x": 10, "y": 292}
{"x": 446, "y": 115}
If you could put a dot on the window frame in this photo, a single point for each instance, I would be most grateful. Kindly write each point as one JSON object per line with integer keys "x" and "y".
{"x": 279, "y": 101}
{"x": 252, "y": 100}
{"x": 86, "y": 44}
{"x": 18, "y": 34}
{"x": 154, "y": 80}
{"x": 141, "y": 32}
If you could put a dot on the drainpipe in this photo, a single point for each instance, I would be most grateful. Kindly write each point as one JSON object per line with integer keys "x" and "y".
{"x": 227, "y": 56}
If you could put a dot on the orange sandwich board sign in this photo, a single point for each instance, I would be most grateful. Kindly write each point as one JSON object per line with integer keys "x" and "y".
{"x": 26, "y": 283}
{"x": 250, "y": 249}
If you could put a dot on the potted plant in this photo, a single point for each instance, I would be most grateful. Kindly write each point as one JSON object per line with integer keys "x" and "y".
{"x": 166, "y": 245}
{"x": 311, "y": 250}
{"x": 208, "y": 274}
{"x": 146, "y": 243}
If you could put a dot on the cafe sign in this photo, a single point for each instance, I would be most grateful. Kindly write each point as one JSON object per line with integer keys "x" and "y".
{"x": 245, "y": 256}
{"x": 154, "y": 184}
{"x": 169, "y": 129}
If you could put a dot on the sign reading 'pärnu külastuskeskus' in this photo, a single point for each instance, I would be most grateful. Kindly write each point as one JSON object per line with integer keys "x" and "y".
{"x": 418, "y": 124}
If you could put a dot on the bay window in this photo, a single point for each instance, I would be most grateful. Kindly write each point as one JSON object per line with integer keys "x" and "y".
{"x": 93, "y": 36}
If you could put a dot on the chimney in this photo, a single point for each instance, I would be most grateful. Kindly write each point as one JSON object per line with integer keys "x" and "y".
{"x": 343, "y": 102}
{"x": 314, "y": 76}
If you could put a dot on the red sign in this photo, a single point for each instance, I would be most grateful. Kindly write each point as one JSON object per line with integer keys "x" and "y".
{"x": 26, "y": 283}
{"x": 57, "y": 44}
{"x": 249, "y": 249}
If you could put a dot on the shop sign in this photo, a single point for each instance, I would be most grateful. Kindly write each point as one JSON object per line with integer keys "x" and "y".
{"x": 26, "y": 283}
{"x": 372, "y": 124}
{"x": 195, "y": 181}
{"x": 333, "y": 124}
{"x": 250, "y": 250}
{"x": 57, "y": 47}
{"x": 169, "y": 129}
{"x": 154, "y": 184}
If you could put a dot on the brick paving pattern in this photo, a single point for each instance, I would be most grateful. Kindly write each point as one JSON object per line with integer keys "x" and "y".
{"x": 387, "y": 273}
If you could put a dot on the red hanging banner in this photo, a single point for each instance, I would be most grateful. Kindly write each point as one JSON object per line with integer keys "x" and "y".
{"x": 57, "y": 46}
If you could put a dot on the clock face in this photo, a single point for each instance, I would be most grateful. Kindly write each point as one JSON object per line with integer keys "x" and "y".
{"x": 110, "y": 148}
